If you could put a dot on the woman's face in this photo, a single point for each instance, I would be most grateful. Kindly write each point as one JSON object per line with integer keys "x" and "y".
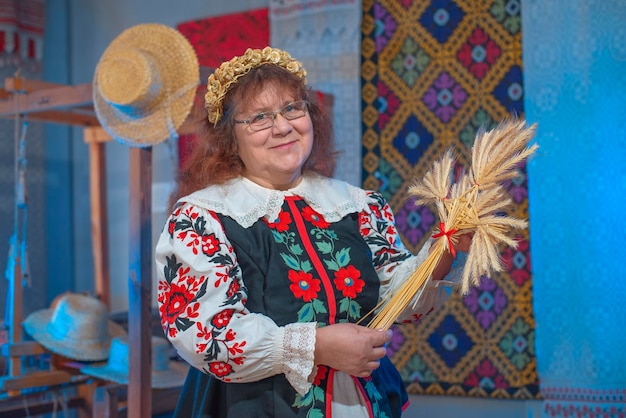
{"x": 273, "y": 157}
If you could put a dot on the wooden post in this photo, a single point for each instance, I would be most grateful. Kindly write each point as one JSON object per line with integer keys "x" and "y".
{"x": 96, "y": 138}
{"x": 140, "y": 282}
{"x": 107, "y": 401}
{"x": 99, "y": 220}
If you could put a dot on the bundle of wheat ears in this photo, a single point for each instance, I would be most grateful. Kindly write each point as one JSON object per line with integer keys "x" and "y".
{"x": 474, "y": 204}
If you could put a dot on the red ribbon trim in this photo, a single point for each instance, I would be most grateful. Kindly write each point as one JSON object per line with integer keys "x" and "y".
{"x": 442, "y": 232}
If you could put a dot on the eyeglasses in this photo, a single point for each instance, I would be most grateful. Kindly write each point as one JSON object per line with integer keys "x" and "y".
{"x": 265, "y": 120}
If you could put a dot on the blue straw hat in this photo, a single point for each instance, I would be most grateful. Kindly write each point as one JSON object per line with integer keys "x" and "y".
{"x": 76, "y": 326}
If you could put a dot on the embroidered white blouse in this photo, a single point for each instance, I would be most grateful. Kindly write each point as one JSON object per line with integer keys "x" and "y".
{"x": 269, "y": 349}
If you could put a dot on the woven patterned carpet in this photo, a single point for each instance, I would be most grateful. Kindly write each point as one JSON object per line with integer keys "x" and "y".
{"x": 218, "y": 39}
{"x": 432, "y": 73}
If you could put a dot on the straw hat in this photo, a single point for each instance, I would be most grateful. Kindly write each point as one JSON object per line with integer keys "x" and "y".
{"x": 145, "y": 84}
{"x": 76, "y": 326}
{"x": 165, "y": 373}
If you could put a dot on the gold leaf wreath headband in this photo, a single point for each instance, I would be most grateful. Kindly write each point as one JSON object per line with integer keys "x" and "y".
{"x": 229, "y": 72}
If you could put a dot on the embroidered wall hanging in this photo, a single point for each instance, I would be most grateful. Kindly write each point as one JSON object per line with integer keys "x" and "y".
{"x": 21, "y": 33}
{"x": 432, "y": 73}
{"x": 218, "y": 39}
{"x": 326, "y": 38}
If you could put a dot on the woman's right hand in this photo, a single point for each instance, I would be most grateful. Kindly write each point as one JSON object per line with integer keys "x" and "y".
{"x": 353, "y": 349}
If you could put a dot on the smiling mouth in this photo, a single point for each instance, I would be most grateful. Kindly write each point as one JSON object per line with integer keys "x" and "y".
{"x": 285, "y": 144}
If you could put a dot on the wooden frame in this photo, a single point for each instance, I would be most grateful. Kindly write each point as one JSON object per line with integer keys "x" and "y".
{"x": 47, "y": 102}
{"x": 33, "y": 405}
{"x": 112, "y": 401}
{"x": 56, "y": 379}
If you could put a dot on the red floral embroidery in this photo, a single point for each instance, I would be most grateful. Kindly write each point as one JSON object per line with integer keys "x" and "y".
{"x": 210, "y": 244}
{"x": 205, "y": 334}
{"x": 174, "y": 302}
{"x": 222, "y": 319}
{"x": 222, "y": 277}
{"x": 194, "y": 240}
{"x": 320, "y": 375}
{"x": 192, "y": 310}
{"x": 303, "y": 285}
{"x": 282, "y": 223}
{"x": 315, "y": 218}
{"x": 171, "y": 227}
{"x": 364, "y": 223}
{"x": 230, "y": 335}
{"x": 375, "y": 210}
{"x": 415, "y": 318}
{"x": 233, "y": 288}
{"x": 387, "y": 213}
{"x": 189, "y": 212}
{"x": 236, "y": 348}
{"x": 348, "y": 280}
{"x": 220, "y": 369}
{"x": 178, "y": 293}
{"x": 386, "y": 250}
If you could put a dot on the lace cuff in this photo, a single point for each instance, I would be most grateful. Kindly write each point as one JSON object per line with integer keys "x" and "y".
{"x": 294, "y": 348}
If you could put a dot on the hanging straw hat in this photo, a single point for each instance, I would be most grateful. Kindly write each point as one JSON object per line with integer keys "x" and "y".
{"x": 165, "y": 372}
{"x": 145, "y": 84}
{"x": 76, "y": 326}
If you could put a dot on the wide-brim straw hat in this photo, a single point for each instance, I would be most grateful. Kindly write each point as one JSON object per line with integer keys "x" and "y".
{"x": 76, "y": 326}
{"x": 165, "y": 373}
{"x": 145, "y": 84}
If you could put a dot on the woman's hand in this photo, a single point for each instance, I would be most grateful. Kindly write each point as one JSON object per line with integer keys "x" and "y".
{"x": 353, "y": 349}
{"x": 463, "y": 243}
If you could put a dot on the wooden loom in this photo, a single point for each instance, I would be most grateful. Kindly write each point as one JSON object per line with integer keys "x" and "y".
{"x": 73, "y": 105}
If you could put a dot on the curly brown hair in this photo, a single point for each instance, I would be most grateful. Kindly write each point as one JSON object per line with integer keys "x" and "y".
{"x": 213, "y": 158}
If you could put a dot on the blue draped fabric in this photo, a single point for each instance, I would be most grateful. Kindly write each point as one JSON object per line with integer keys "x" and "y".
{"x": 575, "y": 84}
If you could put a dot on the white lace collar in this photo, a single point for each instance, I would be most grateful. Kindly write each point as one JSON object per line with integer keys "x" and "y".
{"x": 246, "y": 201}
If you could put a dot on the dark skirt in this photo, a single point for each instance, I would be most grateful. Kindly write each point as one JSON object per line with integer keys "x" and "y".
{"x": 203, "y": 396}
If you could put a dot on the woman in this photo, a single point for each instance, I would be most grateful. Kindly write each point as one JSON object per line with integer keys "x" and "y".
{"x": 266, "y": 263}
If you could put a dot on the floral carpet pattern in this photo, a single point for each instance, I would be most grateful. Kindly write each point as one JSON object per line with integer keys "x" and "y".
{"x": 432, "y": 74}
